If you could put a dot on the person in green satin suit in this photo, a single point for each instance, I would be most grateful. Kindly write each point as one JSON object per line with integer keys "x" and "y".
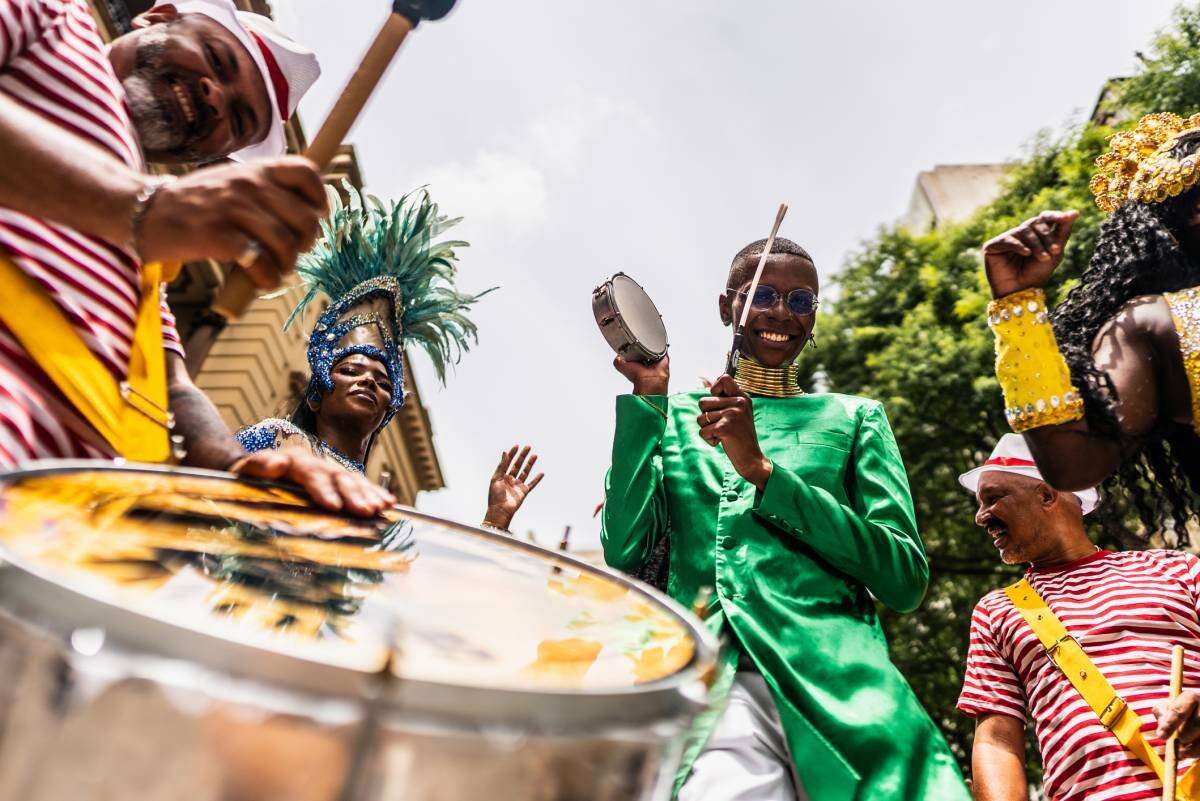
{"x": 795, "y": 509}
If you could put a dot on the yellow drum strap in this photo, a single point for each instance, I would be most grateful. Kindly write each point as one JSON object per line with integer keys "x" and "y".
{"x": 132, "y": 415}
{"x": 1068, "y": 656}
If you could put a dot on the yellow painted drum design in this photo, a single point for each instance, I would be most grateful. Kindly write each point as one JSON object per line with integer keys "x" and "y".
{"x": 171, "y": 629}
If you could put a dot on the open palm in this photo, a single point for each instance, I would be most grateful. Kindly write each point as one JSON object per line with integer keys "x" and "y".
{"x": 510, "y": 485}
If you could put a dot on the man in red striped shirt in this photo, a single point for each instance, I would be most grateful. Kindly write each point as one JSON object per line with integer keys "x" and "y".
{"x": 79, "y": 216}
{"x": 1126, "y": 609}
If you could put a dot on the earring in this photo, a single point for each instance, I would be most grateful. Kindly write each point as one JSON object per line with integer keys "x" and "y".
{"x": 812, "y": 340}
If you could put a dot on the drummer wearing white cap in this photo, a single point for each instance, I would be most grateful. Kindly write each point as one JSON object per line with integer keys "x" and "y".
{"x": 1082, "y": 630}
{"x": 205, "y": 80}
{"x": 90, "y": 365}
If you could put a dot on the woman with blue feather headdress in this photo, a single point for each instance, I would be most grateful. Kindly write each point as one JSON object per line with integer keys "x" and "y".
{"x": 390, "y": 283}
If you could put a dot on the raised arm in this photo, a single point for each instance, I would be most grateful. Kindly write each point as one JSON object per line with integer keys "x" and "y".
{"x": 872, "y": 538}
{"x": 1070, "y": 454}
{"x": 49, "y": 173}
{"x": 635, "y": 506}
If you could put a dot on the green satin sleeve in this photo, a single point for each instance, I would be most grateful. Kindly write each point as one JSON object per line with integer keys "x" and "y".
{"x": 874, "y": 536}
{"x": 635, "y": 506}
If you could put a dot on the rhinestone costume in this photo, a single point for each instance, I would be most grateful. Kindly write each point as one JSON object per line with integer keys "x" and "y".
{"x": 1185, "y": 311}
{"x": 1029, "y": 366}
{"x": 1139, "y": 165}
{"x": 390, "y": 280}
{"x": 274, "y": 433}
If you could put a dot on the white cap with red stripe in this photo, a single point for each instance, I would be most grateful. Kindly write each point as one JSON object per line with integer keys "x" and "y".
{"x": 1011, "y": 455}
{"x": 288, "y": 67}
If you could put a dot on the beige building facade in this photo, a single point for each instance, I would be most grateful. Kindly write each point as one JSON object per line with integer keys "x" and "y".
{"x": 950, "y": 193}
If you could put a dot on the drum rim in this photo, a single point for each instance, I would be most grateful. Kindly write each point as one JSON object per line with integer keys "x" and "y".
{"x": 297, "y": 672}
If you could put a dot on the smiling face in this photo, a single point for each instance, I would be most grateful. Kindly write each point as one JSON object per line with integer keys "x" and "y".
{"x": 774, "y": 337}
{"x": 1018, "y": 512}
{"x": 361, "y": 394}
{"x": 195, "y": 93}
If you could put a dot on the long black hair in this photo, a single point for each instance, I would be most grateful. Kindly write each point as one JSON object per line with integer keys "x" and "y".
{"x": 1137, "y": 253}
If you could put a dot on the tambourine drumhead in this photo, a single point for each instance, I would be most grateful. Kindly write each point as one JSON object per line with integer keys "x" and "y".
{"x": 639, "y": 314}
{"x": 414, "y": 596}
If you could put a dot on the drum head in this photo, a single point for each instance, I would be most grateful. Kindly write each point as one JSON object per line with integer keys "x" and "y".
{"x": 410, "y": 596}
{"x": 639, "y": 314}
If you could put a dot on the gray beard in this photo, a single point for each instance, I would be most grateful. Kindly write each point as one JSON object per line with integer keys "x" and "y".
{"x": 151, "y": 121}
{"x": 149, "y": 118}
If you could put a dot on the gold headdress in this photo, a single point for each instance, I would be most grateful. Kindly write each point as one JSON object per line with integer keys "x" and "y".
{"x": 1139, "y": 165}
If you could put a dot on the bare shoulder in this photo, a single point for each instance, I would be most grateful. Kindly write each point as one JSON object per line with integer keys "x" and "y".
{"x": 1143, "y": 315}
{"x": 1143, "y": 325}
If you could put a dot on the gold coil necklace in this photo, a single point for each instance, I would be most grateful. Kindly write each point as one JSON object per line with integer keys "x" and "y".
{"x": 772, "y": 382}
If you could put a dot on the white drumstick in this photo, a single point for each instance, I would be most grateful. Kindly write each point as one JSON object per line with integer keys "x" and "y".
{"x": 734, "y": 353}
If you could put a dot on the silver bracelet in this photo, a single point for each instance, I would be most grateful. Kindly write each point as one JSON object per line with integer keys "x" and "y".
{"x": 141, "y": 205}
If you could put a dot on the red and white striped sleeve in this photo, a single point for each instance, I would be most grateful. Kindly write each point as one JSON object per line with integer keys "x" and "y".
{"x": 22, "y": 23}
{"x": 990, "y": 684}
{"x": 170, "y": 334}
{"x": 1193, "y": 578}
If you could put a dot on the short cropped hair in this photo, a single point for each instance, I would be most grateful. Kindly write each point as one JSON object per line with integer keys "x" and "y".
{"x": 741, "y": 269}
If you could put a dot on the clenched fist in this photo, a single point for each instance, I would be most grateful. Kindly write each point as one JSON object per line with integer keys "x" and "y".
{"x": 1024, "y": 257}
{"x": 215, "y": 213}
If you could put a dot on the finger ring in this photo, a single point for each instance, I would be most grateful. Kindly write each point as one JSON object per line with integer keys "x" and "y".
{"x": 250, "y": 253}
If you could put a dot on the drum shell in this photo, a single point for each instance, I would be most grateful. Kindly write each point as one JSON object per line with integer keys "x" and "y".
{"x": 70, "y": 728}
{"x": 117, "y": 725}
{"x": 171, "y": 714}
{"x": 614, "y": 330}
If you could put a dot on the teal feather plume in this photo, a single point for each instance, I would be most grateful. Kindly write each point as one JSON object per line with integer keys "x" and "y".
{"x": 360, "y": 241}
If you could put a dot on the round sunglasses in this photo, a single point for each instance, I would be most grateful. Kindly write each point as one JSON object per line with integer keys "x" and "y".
{"x": 799, "y": 301}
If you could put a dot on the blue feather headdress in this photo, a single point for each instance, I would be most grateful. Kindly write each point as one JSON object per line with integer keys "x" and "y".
{"x": 390, "y": 282}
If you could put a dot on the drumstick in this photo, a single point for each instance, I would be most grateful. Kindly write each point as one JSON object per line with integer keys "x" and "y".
{"x": 738, "y": 332}
{"x": 1172, "y": 757}
{"x": 238, "y": 291}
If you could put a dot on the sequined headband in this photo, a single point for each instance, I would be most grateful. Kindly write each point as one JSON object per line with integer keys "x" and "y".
{"x": 1139, "y": 165}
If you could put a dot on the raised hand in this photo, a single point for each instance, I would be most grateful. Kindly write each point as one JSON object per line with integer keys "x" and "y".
{"x": 509, "y": 487}
{"x": 727, "y": 419}
{"x": 647, "y": 379}
{"x": 1025, "y": 256}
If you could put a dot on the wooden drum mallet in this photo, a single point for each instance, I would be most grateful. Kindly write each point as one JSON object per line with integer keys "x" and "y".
{"x": 1171, "y": 758}
{"x": 238, "y": 291}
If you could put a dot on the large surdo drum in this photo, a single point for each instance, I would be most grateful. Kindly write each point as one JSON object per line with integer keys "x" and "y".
{"x": 174, "y": 634}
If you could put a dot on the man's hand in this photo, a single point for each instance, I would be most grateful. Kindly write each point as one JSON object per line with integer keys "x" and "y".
{"x": 1181, "y": 715}
{"x": 509, "y": 486}
{"x": 727, "y": 419}
{"x": 1025, "y": 256}
{"x": 216, "y": 212}
{"x": 647, "y": 379}
{"x": 329, "y": 485}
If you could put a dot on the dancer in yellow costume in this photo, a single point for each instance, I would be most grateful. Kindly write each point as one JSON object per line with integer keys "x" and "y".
{"x": 1107, "y": 385}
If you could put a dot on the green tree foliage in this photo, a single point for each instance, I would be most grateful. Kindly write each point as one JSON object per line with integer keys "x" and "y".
{"x": 908, "y": 329}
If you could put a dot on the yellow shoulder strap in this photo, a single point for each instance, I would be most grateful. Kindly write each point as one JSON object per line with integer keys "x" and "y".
{"x": 131, "y": 415}
{"x": 1068, "y": 656}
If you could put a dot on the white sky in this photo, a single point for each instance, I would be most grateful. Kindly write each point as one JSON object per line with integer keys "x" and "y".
{"x": 657, "y": 138}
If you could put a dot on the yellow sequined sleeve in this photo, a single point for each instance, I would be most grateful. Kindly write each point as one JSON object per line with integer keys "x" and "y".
{"x": 1029, "y": 366}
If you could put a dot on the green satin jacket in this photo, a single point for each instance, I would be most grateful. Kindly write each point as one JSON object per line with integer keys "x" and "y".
{"x": 794, "y": 569}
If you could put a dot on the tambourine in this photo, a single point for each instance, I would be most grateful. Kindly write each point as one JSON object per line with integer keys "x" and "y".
{"x": 629, "y": 320}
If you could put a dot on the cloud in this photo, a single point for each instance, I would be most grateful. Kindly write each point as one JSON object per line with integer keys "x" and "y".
{"x": 507, "y": 186}
{"x": 496, "y": 190}
{"x": 561, "y": 136}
